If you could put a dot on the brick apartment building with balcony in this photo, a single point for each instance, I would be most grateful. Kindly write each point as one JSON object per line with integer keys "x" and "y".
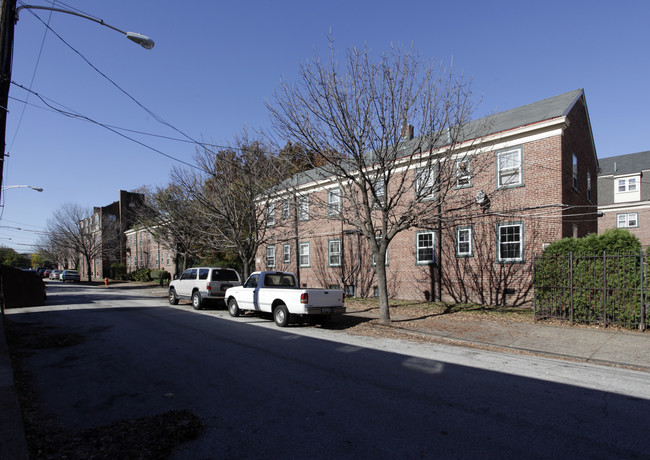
{"x": 624, "y": 194}
{"x": 541, "y": 182}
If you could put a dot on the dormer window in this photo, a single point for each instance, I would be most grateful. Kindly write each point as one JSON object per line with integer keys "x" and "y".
{"x": 627, "y": 189}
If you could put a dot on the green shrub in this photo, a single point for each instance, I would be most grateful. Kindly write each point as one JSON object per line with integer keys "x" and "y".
{"x": 118, "y": 271}
{"x": 142, "y": 274}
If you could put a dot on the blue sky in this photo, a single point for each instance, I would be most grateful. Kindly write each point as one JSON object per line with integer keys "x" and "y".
{"x": 215, "y": 64}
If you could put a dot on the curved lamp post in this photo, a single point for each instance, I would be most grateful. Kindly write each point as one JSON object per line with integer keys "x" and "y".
{"x": 140, "y": 39}
{"x": 8, "y": 17}
{"x": 38, "y": 189}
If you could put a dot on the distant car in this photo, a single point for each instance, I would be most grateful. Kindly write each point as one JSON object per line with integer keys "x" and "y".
{"x": 46, "y": 273}
{"x": 54, "y": 274}
{"x": 69, "y": 275}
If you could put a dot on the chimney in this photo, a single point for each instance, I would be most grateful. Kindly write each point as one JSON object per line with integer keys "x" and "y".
{"x": 407, "y": 132}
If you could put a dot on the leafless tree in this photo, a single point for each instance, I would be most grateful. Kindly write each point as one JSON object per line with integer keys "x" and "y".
{"x": 233, "y": 188}
{"x": 356, "y": 116}
{"x": 173, "y": 219}
{"x": 74, "y": 231}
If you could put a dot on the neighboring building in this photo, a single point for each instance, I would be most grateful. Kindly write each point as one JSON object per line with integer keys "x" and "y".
{"x": 109, "y": 223}
{"x": 143, "y": 251}
{"x": 542, "y": 185}
{"x": 623, "y": 195}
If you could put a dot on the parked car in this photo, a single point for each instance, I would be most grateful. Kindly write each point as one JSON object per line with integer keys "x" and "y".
{"x": 278, "y": 293}
{"x": 69, "y": 275}
{"x": 54, "y": 274}
{"x": 46, "y": 273}
{"x": 200, "y": 284}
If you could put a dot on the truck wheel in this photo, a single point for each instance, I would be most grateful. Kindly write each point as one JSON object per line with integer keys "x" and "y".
{"x": 173, "y": 300}
{"x": 196, "y": 300}
{"x": 281, "y": 315}
{"x": 233, "y": 308}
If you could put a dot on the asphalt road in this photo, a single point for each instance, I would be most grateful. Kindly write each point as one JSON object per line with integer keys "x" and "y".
{"x": 303, "y": 392}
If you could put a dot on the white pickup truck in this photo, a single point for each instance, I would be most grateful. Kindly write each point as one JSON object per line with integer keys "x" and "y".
{"x": 277, "y": 293}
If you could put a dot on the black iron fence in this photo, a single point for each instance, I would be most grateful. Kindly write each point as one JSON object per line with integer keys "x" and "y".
{"x": 604, "y": 289}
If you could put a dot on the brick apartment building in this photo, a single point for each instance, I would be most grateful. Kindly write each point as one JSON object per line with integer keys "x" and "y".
{"x": 143, "y": 251}
{"x": 624, "y": 195}
{"x": 108, "y": 223}
{"x": 541, "y": 184}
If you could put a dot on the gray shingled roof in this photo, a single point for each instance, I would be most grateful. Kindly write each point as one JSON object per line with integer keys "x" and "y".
{"x": 625, "y": 164}
{"x": 547, "y": 109}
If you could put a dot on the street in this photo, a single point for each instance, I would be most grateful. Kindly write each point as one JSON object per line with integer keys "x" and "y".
{"x": 305, "y": 392}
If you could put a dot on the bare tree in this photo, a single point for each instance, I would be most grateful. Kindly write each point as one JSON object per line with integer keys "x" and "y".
{"x": 80, "y": 232}
{"x": 358, "y": 116}
{"x": 234, "y": 188}
{"x": 173, "y": 219}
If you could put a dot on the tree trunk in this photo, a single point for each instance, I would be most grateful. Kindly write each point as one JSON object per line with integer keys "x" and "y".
{"x": 382, "y": 286}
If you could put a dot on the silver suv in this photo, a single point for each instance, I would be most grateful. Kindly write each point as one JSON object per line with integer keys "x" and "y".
{"x": 201, "y": 284}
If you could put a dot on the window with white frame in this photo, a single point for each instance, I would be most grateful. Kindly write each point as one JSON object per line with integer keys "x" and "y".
{"x": 286, "y": 210}
{"x": 588, "y": 185}
{"x": 510, "y": 245}
{"x": 304, "y": 254}
{"x": 373, "y": 260}
{"x": 463, "y": 170}
{"x": 575, "y": 171}
{"x": 334, "y": 253}
{"x": 334, "y": 202}
{"x": 425, "y": 180}
{"x": 628, "y": 184}
{"x": 270, "y": 214}
{"x": 509, "y": 167}
{"x": 303, "y": 208}
{"x": 424, "y": 247}
{"x": 286, "y": 253}
{"x": 270, "y": 256}
{"x": 464, "y": 243}
{"x": 626, "y": 220}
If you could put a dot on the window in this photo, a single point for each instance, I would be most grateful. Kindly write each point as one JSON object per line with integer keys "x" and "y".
{"x": 203, "y": 273}
{"x": 511, "y": 242}
{"x": 373, "y": 261}
{"x": 270, "y": 256}
{"x": 380, "y": 191}
{"x": 424, "y": 253}
{"x": 464, "y": 242}
{"x": 286, "y": 210}
{"x": 304, "y": 254}
{"x": 270, "y": 215}
{"x": 589, "y": 186}
{"x": 463, "y": 168}
{"x": 630, "y": 219}
{"x": 334, "y": 253}
{"x": 627, "y": 185}
{"x": 575, "y": 172}
{"x": 303, "y": 208}
{"x": 334, "y": 202}
{"x": 286, "y": 253}
{"x": 425, "y": 179}
{"x": 189, "y": 274}
{"x": 509, "y": 167}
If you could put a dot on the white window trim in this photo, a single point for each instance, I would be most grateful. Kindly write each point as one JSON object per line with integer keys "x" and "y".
{"x": 418, "y": 247}
{"x": 425, "y": 190}
{"x": 303, "y": 208}
{"x": 304, "y": 253}
{"x": 334, "y": 202}
{"x": 270, "y": 215}
{"x": 470, "y": 241}
{"x": 463, "y": 176}
{"x": 520, "y": 258}
{"x": 270, "y": 256}
{"x": 286, "y": 253}
{"x": 331, "y": 253}
{"x": 514, "y": 171}
{"x": 626, "y": 219}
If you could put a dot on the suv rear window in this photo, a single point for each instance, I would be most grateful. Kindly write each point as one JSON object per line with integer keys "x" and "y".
{"x": 224, "y": 275}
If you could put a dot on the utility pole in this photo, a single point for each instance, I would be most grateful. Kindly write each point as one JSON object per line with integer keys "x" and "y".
{"x": 7, "y": 22}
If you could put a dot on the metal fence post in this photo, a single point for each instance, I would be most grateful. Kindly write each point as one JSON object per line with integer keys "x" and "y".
{"x": 604, "y": 290}
{"x": 643, "y": 307}
{"x": 571, "y": 286}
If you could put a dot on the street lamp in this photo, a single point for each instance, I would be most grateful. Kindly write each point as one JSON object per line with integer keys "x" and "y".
{"x": 140, "y": 39}
{"x": 8, "y": 18}
{"x": 38, "y": 189}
